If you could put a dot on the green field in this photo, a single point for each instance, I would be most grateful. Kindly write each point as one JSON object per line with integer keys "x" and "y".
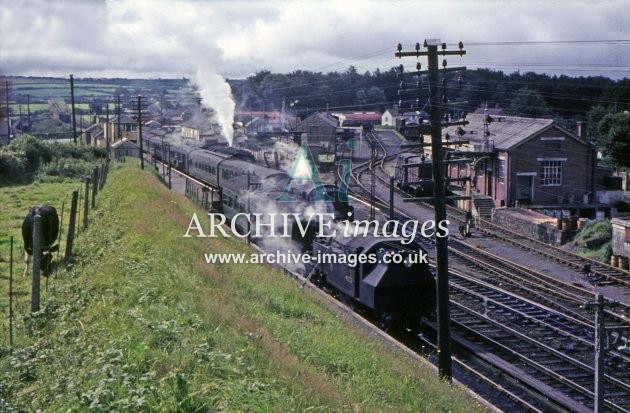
{"x": 139, "y": 322}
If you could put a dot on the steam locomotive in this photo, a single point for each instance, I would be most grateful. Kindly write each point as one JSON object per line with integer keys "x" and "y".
{"x": 385, "y": 276}
{"x": 393, "y": 291}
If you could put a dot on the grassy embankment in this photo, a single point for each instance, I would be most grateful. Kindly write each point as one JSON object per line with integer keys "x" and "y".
{"x": 139, "y": 321}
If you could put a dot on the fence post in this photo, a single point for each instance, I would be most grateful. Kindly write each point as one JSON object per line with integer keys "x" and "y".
{"x": 11, "y": 297}
{"x": 37, "y": 258}
{"x": 101, "y": 176}
{"x": 78, "y": 227}
{"x": 86, "y": 203}
{"x": 94, "y": 186}
{"x": 72, "y": 224}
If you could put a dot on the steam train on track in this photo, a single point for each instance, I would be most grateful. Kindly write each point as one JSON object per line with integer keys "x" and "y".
{"x": 392, "y": 291}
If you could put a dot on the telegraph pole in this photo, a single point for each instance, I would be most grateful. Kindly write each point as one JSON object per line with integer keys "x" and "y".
{"x": 28, "y": 109}
{"x": 108, "y": 126}
{"x": 140, "y": 131}
{"x": 439, "y": 196}
{"x": 74, "y": 119}
{"x": 6, "y": 82}
{"x": 118, "y": 131}
{"x": 603, "y": 344}
{"x": 372, "y": 179}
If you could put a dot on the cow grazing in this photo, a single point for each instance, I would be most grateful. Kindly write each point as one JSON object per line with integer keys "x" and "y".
{"x": 49, "y": 233}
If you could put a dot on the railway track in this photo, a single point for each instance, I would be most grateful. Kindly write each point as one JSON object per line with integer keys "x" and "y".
{"x": 600, "y": 273}
{"x": 533, "y": 329}
{"x": 537, "y": 337}
{"x": 551, "y": 346}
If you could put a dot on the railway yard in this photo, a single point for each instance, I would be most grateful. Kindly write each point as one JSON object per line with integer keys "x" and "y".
{"x": 517, "y": 305}
{"x": 522, "y": 335}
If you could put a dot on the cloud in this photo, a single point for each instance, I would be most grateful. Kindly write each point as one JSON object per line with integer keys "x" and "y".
{"x": 141, "y": 38}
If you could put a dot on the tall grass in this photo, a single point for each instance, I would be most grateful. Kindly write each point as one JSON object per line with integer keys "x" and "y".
{"x": 139, "y": 322}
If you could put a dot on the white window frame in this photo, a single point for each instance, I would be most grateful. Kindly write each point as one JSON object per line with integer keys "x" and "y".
{"x": 551, "y": 171}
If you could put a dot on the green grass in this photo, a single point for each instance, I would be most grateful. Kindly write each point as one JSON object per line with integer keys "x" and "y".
{"x": 16, "y": 201}
{"x": 594, "y": 240}
{"x": 139, "y": 322}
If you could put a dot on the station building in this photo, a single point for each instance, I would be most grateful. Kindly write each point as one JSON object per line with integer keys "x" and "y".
{"x": 528, "y": 162}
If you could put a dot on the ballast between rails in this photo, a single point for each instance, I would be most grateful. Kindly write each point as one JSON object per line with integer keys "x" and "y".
{"x": 581, "y": 296}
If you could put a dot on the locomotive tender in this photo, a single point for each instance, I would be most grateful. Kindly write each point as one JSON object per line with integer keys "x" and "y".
{"x": 386, "y": 276}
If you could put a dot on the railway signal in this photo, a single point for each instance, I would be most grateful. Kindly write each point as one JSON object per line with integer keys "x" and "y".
{"x": 436, "y": 104}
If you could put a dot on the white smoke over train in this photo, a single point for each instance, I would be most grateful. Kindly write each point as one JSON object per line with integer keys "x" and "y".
{"x": 216, "y": 93}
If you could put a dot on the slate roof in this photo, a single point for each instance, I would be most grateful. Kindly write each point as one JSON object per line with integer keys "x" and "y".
{"x": 201, "y": 123}
{"x": 506, "y": 132}
{"x": 323, "y": 116}
{"x": 490, "y": 111}
{"x": 359, "y": 116}
{"x": 125, "y": 144}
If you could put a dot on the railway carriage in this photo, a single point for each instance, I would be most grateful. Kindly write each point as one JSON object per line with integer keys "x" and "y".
{"x": 394, "y": 292}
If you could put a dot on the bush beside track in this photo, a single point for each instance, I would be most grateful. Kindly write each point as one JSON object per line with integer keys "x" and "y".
{"x": 138, "y": 321}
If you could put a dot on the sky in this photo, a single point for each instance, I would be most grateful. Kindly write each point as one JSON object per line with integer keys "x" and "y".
{"x": 235, "y": 39}
{"x": 209, "y": 41}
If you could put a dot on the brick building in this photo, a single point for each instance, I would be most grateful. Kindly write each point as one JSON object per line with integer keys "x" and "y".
{"x": 320, "y": 132}
{"x": 524, "y": 161}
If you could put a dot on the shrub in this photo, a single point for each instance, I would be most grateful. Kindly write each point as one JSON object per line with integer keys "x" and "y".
{"x": 34, "y": 149}
{"x": 13, "y": 167}
{"x": 28, "y": 156}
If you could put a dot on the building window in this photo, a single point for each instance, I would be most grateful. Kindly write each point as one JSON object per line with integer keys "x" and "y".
{"x": 551, "y": 173}
{"x": 501, "y": 171}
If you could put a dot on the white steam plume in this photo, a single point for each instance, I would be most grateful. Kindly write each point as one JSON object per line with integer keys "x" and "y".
{"x": 216, "y": 93}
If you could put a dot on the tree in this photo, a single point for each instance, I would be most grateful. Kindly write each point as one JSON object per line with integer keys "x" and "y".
{"x": 529, "y": 103}
{"x": 593, "y": 117}
{"x": 613, "y": 138}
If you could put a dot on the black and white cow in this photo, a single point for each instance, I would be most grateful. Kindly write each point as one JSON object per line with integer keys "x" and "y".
{"x": 50, "y": 231}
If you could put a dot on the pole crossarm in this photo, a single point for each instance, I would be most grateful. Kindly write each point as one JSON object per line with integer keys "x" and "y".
{"x": 422, "y": 145}
{"x": 430, "y": 198}
{"x": 437, "y": 103}
{"x": 426, "y": 72}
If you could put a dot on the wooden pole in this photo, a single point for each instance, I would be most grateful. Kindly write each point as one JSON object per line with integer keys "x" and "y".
{"x": 72, "y": 224}
{"x": 600, "y": 352}
{"x": 63, "y": 205}
{"x": 74, "y": 117}
{"x": 11, "y": 296}
{"x": 94, "y": 186}
{"x": 86, "y": 202}
{"x": 439, "y": 205}
{"x": 391, "y": 197}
